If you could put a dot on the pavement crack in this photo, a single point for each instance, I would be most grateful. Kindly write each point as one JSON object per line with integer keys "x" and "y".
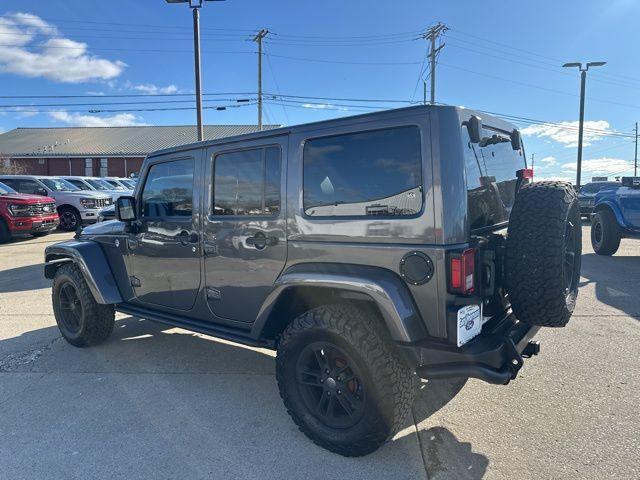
{"x": 420, "y": 446}
{"x": 15, "y": 360}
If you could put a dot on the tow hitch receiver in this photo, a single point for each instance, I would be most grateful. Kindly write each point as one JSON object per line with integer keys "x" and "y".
{"x": 532, "y": 348}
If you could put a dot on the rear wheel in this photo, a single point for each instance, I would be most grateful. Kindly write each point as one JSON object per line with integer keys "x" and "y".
{"x": 81, "y": 320}
{"x": 543, "y": 253}
{"x": 605, "y": 235}
{"x": 342, "y": 380}
{"x": 70, "y": 219}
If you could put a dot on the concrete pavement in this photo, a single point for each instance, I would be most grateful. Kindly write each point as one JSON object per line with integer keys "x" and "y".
{"x": 156, "y": 402}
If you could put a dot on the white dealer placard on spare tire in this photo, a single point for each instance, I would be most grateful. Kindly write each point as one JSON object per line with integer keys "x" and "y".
{"x": 469, "y": 323}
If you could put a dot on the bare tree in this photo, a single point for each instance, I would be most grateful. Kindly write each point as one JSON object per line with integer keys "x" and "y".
{"x": 10, "y": 167}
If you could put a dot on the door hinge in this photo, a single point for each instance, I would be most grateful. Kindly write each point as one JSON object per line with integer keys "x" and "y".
{"x": 134, "y": 281}
{"x": 213, "y": 294}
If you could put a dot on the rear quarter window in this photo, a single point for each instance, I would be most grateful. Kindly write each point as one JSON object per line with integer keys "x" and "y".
{"x": 371, "y": 173}
{"x": 491, "y": 179}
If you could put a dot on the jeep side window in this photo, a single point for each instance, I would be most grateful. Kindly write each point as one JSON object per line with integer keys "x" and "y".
{"x": 168, "y": 190}
{"x": 247, "y": 182}
{"x": 367, "y": 173}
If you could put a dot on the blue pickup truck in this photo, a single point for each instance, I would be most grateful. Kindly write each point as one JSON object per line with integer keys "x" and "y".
{"x": 616, "y": 215}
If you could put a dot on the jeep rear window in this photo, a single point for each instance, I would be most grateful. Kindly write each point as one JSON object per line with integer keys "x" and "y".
{"x": 373, "y": 173}
{"x": 491, "y": 179}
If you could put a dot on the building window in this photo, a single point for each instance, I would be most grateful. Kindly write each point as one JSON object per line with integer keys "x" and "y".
{"x": 104, "y": 167}
{"x": 88, "y": 167}
{"x": 41, "y": 161}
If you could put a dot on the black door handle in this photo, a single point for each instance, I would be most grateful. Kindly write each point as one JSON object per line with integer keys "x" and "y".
{"x": 185, "y": 237}
{"x": 260, "y": 241}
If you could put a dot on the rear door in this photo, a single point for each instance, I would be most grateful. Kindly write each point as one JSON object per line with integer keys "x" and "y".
{"x": 165, "y": 248}
{"x": 630, "y": 205}
{"x": 244, "y": 227}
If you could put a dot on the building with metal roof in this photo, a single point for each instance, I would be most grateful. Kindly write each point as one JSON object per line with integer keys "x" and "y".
{"x": 103, "y": 151}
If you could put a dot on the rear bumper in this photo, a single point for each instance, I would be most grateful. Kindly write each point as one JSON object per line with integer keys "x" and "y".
{"x": 495, "y": 356}
{"x": 33, "y": 224}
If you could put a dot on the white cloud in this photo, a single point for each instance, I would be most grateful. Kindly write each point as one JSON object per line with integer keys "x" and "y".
{"x": 549, "y": 161}
{"x": 603, "y": 166}
{"x": 562, "y": 178}
{"x": 150, "y": 88}
{"x": 56, "y": 58}
{"x": 81, "y": 120}
{"x": 323, "y": 106}
{"x": 566, "y": 133}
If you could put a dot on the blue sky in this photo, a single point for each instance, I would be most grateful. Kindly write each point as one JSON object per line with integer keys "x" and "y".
{"x": 499, "y": 57}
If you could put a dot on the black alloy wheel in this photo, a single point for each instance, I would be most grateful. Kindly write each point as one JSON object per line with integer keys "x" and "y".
{"x": 68, "y": 220}
{"x": 330, "y": 385}
{"x": 70, "y": 308}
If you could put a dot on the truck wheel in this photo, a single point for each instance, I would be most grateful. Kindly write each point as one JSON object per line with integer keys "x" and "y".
{"x": 69, "y": 219}
{"x": 81, "y": 320}
{"x": 342, "y": 381}
{"x": 5, "y": 234}
{"x": 543, "y": 253}
{"x": 605, "y": 235}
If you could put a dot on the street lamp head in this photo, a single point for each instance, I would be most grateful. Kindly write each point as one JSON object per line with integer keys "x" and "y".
{"x": 596, "y": 64}
{"x": 566, "y": 65}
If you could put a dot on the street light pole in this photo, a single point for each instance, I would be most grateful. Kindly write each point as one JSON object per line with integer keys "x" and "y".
{"x": 583, "y": 80}
{"x": 196, "y": 49}
{"x": 195, "y": 6}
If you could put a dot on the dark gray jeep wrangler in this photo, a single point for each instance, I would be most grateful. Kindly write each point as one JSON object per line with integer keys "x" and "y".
{"x": 365, "y": 250}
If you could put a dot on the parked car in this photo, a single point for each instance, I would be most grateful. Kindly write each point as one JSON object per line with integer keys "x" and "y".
{"x": 107, "y": 213}
{"x": 119, "y": 183}
{"x": 587, "y": 195}
{"x": 25, "y": 214}
{"x": 617, "y": 216}
{"x": 75, "y": 207}
{"x": 381, "y": 248}
{"x": 98, "y": 185}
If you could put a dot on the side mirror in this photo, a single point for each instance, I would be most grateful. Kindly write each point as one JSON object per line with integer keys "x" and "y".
{"x": 474, "y": 127}
{"x": 516, "y": 141}
{"x": 631, "y": 182}
{"x": 126, "y": 209}
{"x": 41, "y": 191}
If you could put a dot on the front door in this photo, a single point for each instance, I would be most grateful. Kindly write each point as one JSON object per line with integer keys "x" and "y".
{"x": 244, "y": 229}
{"x": 630, "y": 205}
{"x": 165, "y": 248}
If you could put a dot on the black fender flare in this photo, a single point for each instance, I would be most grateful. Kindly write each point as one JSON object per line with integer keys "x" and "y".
{"x": 90, "y": 258}
{"x": 385, "y": 288}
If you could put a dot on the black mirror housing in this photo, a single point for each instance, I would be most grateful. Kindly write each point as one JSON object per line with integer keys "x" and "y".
{"x": 474, "y": 127}
{"x": 41, "y": 191}
{"x": 516, "y": 141}
{"x": 126, "y": 209}
{"x": 631, "y": 182}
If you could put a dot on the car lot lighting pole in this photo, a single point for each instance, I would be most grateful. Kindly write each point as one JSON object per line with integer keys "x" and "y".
{"x": 195, "y": 7}
{"x": 583, "y": 78}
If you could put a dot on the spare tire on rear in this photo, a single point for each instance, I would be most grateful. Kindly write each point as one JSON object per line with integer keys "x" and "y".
{"x": 543, "y": 253}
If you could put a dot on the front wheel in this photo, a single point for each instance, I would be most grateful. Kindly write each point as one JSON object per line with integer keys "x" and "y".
{"x": 605, "y": 236}
{"x": 342, "y": 380}
{"x": 70, "y": 219}
{"x": 81, "y": 320}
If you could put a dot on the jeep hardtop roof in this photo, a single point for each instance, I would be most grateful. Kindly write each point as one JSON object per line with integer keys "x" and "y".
{"x": 462, "y": 113}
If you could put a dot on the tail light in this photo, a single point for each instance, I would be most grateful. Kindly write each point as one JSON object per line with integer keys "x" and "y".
{"x": 525, "y": 173}
{"x": 462, "y": 272}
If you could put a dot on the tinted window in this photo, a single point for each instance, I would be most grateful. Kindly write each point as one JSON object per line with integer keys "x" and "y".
{"x": 78, "y": 183}
{"x": 247, "y": 182}
{"x": 23, "y": 186}
{"x": 367, "y": 173}
{"x": 4, "y": 189}
{"x": 59, "y": 185}
{"x": 168, "y": 190}
{"x": 491, "y": 179}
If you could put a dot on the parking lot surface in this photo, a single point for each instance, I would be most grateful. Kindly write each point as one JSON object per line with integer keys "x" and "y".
{"x": 158, "y": 402}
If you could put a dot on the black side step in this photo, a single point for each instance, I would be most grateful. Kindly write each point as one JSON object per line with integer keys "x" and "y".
{"x": 218, "y": 331}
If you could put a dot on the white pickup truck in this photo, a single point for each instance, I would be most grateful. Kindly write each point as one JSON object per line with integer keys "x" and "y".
{"x": 75, "y": 207}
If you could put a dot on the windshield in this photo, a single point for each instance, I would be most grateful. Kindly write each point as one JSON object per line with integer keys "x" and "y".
{"x": 59, "y": 185}
{"x": 5, "y": 189}
{"x": 129, "y": 183}
{"x": 99, "y": 184}
{"x": 114, "y": 184}
{"x": 491, "y": 178}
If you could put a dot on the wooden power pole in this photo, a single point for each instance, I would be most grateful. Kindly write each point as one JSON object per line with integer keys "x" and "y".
{"x": 432, "y": 35}
{"x": 258, "y": 38}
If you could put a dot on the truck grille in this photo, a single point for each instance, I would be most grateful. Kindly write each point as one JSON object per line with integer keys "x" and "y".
{"x": 103, "y": 202}
{"x": 41, "y": 209}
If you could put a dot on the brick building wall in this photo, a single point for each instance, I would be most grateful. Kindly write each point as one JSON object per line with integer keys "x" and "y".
{"x": 115, "y": 166}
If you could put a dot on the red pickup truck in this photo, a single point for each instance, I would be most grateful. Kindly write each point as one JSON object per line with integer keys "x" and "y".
{"x": 25, "y": 214}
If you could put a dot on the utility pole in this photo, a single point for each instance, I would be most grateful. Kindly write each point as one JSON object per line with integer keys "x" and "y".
{"x": 635, "y": 158}
{"x": 258, "y": 38}
{"x": 432, "y": 35}
{"x": 196, "y": 49}
{"x": 424, "y": 92}
{"x": 583, "y": 79}
{"x": 532, "y": 158}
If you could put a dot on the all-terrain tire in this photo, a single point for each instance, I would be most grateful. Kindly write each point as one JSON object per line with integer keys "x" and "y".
{"x": 5, "y": 234}
{"x": 543, "y": 253}
{"x": 388, "y": 382}
{"x": 605, "y": 234}
{"x": 95, "y": 321}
